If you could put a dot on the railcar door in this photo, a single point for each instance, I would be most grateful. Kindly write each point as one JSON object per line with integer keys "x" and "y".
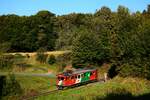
{"x": 86, "y": 77}
{"x": 78, "y": 79}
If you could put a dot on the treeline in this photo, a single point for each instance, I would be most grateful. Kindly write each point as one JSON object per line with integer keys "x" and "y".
{"x": 27, "y": 33}
{"x": 46, "y": 30}
{"x": 121, "y": 38}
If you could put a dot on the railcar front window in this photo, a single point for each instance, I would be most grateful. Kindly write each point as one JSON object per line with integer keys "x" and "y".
{"x": 62, "y": 78}
{"x": 78, "y": 76}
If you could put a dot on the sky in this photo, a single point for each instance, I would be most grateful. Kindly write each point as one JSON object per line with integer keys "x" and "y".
{"x": 62, "y": 7}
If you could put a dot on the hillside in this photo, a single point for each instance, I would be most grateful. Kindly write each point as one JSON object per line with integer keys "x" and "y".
{"x": 115, "y": 89}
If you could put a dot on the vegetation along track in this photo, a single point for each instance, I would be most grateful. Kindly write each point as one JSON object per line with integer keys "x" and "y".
{"x": 56, "y": 90}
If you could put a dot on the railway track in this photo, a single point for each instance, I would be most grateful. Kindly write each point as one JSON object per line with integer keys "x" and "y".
{"x": 56, "y": 90}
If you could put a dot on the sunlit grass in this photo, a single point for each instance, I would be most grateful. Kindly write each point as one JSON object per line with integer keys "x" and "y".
{"x": 36, "y": 83}
{"x": 134, "y": 86}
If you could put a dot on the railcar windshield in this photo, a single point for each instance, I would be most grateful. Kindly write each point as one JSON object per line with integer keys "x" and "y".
{"x": 61, "y": 78}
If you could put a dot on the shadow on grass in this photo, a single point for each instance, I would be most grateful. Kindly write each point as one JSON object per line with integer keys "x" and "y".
{"x": 124, "y": 96}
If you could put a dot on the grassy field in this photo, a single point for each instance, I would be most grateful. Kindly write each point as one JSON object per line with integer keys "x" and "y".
{"x": 128, "y": 88}
{"x": 32, "y": 85}
{"x": 116, "y": 89}
{"x": 32, "y": 66}
{"x": 39, "y": 81}
{"x": 35, "y": 84}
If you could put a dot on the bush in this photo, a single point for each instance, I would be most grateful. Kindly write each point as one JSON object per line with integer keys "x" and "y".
{"x": 51, "y": 59}
{"x": 134, "y": 71}
{"x": 41, "y": 56}
{"x": 10, "y": 86}
{"x": 64, "y": 58}
{"x": 61, "y": 67}
{"x": 6, "y": 61}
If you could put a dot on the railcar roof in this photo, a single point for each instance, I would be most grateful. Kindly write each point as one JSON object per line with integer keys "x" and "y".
{"x": 78, "y": 71}
{"x": 82, "y": 71}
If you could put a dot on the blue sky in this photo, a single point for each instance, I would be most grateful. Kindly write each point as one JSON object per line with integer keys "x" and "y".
{"x": 61, "y": 7}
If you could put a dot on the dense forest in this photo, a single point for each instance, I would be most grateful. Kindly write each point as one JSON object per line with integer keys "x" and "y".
{"x": 121, "y": 37}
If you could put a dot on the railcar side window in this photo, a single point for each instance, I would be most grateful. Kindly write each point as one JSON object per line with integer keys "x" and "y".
{"x": 78, "y": 76}
{"x": 91, "y": 73}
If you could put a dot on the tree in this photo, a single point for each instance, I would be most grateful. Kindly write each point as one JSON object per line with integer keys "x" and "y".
{"x": 51, "y": 59}
{"x": 148, "y": 9}
{"x": 10, "y": 87}
{"x": 88, "y": 49}
{"x": 41, "y": 56}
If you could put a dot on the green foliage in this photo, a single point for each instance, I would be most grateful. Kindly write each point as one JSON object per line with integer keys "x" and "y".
{"x": 41, "y": 56}
{"x": 6, "y": 61}
{"x": 64, "y": 58}
{"x": 88, "y": 49}
{"x": 10, "y": 86}
{"x": 27, "y": 33}
{"x": 61, "y": 67}
{"x": 5, "y": 47}
{"x": 51, "y": 59}
{"x": 135, "y": 70}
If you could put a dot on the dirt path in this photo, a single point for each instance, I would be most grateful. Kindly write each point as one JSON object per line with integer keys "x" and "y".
{"x": 30, "y": 74}
{"x": 33, "y": 53}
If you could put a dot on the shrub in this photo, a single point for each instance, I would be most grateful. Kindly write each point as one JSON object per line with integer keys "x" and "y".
{"x": 6, "y": 61}
{"x": 61, "y": 67}
{"x": 134, "y": 71}
{"x": 10, "y": 86}
{"x": 51, "y": 59}
{"x": 41, "y": 56}
{"x": 64, "y": 58}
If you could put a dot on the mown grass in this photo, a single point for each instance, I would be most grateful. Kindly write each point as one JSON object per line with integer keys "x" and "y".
{"x": 133, "y": 86}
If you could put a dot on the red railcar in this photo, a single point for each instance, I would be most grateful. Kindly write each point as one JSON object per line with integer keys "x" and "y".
{"x": 68, "y": 79}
